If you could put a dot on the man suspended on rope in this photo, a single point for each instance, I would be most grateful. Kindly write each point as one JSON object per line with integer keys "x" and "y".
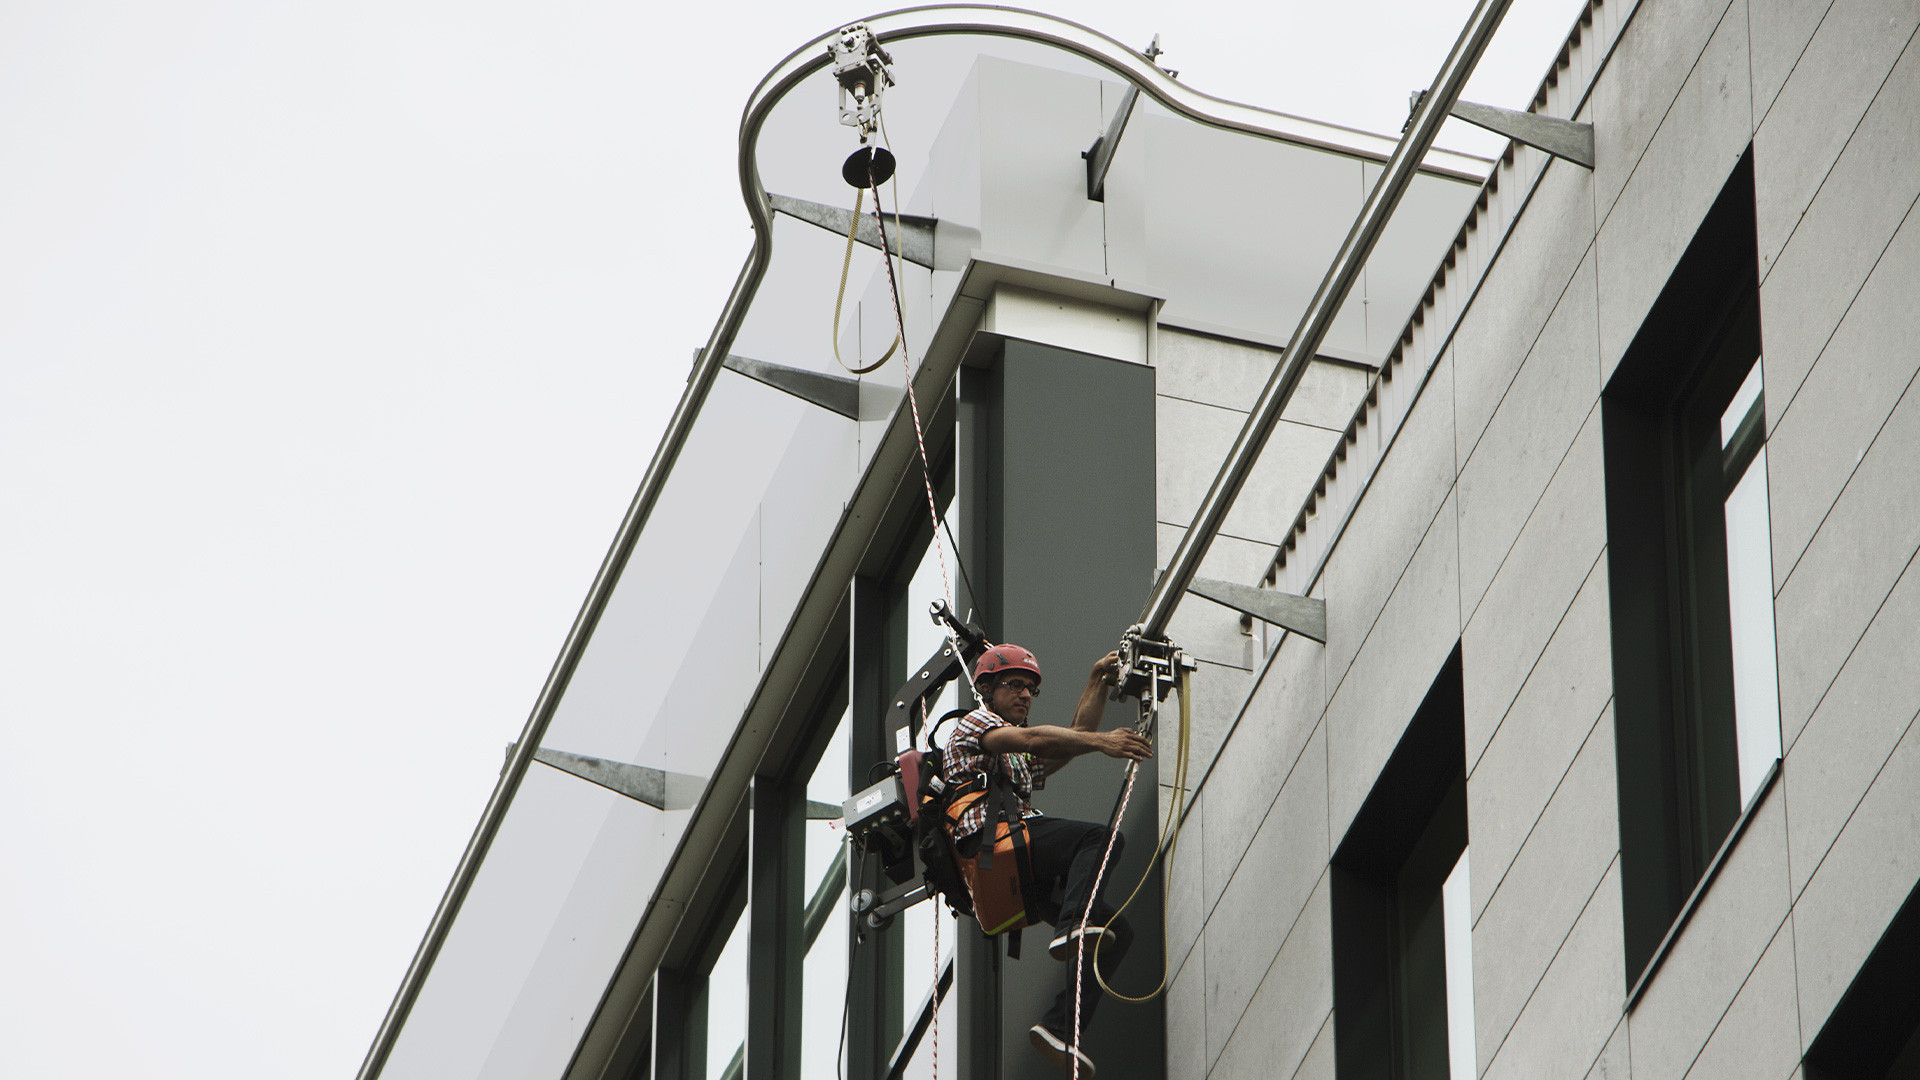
{"x": 1067, "y": 853}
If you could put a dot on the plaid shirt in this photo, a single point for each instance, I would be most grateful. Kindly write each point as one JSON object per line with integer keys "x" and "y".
{"x": 966, "y": 758}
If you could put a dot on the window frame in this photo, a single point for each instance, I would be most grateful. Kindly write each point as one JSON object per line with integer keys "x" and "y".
{"x": 1670, "y": 469}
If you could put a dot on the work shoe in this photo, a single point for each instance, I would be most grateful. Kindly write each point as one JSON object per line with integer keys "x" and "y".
{"x": 1057, "y": 1051}
{"x": 1062, "y": 946}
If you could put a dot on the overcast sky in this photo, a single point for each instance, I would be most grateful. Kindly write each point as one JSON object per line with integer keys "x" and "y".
{"x": 334, "y": 340}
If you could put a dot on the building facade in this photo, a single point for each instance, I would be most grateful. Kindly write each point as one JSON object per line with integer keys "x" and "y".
{"x": 1605, "y": 767}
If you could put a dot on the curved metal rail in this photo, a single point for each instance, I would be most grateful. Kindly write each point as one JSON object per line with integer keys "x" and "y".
{"x": 901, "y": 25}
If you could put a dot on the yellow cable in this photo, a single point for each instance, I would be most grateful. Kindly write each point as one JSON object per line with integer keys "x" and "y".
{"x": 1169, "y": 843}
{"x": 846, "y": 264}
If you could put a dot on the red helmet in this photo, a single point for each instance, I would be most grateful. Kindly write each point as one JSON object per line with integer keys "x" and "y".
{"x": 1004, "y": 658}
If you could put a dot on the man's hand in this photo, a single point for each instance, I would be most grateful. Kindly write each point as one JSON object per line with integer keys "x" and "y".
{"x": 1106, "y": 670}
{"x": 1123, "y": 743}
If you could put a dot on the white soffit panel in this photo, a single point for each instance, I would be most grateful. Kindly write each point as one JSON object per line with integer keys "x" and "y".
{"x": 1067, "y": 322}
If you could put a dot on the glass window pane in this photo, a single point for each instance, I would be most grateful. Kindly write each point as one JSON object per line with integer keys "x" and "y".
{"x": 727, "y": 1000}
{"x": 1743, "y": 400}
{"x": 1756, "y": 688}
{"x": 1457, "y": 917}
{"x": 824, "y": 973}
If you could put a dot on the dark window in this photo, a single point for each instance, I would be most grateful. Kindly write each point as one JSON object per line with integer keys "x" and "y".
{"x": 1402, "y": 958}
{"x": 1696, "y": 700}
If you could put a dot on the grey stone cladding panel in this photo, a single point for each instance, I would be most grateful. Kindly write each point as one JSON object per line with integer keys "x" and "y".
{"x": 1218, "y": 693}
{"x": 1863, "y": 880}
{"x": 1853, "y": 732}
{"x": 1568, "y": 1020}
{"x": 1716, "y": 951}
{"x": 1537, "y": 739}
{"x": 1613, "y": 1061}
{"x": 1190, "y": 443}
{"x": 1558, "y": 385}
{"x": 1552, "y": 880}
{"x": 1844, "y": 234}
{"x": 1520, "y": 292}
{"x": 1677, "y": 180}
{"x": 1319, "y": 1062}
{"x": 1760, "y": 1035}
{"x": 1398, "y": 509}
{"x": 1381, "y": 691}
{"x": 1285, "y": 859}
{"x": 1530, "y": 596}
{"x": 1653, "y": 59}
{"x": 1781, "y": 30}
{"x": 1187, "y": 905}
{"x": 1278, "y": 1030}
{"x": 1203, "y": 628}
{"x": 1218, "y": 371}
{"x": 1277, "y": 487}
{"x": 1840, "y": 408}
{"x": 1187, "y": 1023}
{"x": 1860, "y": 551}
{"x": 1262, "y": 754}
{"x": 1193, "y": 442}
{"x": 1815, "y": 113}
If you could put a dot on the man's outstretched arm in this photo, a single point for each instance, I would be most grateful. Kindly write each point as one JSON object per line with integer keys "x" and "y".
{"x": 1056, "y": 746}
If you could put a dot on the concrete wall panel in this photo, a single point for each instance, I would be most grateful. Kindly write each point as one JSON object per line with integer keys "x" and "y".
{"x": 1381, "y": 691}
{"x": 1557, "y": 387}
{"x": 1390, "y": 522}
{"x": 1529, "y": 597}
{"x": 1259, "y": 907}
{"x": 1187, "y": 1023}
{"x": 1319, "y": 1062}
{"x": 1843, "y": 235}
{"x": 1760, "y": 1035}
{"x": 1187, "y": 903}
{"x": 1264, "y": 752}
{"x": 1519, "y": 294}
{"x": 1294, "y": 1001}
{"x": 1231, "y": 374}
{"x": 1717, "y": 950}
{"x": 1856, "y": 889}
{"x": 1816, "y": 111}
{"x": 1677, "y": 180}
{"x": 1613, "y": 1063}
{"x": 1781, "y": 30}
{"x": 1203, "y": 628}
{"x": 1551, "y": 719}
{"x": 1853, "y": 732}
{"x": 1536, "y": 903}
{"x": 1568, "y": 1020}
{"x": 1654, "y": 58}
{"x": 1860, "y": 551}
{"x": 1839, "y": 411}
{"x": 1194, "y": 441}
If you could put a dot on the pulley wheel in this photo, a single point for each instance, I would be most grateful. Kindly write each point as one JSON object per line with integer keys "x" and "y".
{"x": 869, "y": 166}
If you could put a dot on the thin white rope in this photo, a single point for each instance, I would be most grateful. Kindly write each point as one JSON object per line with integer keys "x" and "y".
{"x": 913, "y": 401}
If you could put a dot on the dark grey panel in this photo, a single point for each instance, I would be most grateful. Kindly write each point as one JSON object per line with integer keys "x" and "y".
{"x": 1058, "y": 493}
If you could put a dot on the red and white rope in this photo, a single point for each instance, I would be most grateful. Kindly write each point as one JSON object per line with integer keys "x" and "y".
{"x": 1080, "y": 946}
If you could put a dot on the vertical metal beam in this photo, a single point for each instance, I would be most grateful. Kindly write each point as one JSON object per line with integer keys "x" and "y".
{"x": 776, "y": 936}
{"x": 1318, "y": 318}
{"x": 879, "y": 649}
{"x": 679, "y": 1025}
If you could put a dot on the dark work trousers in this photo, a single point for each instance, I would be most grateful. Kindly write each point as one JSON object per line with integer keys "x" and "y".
{"x": 1070, "y": 851}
